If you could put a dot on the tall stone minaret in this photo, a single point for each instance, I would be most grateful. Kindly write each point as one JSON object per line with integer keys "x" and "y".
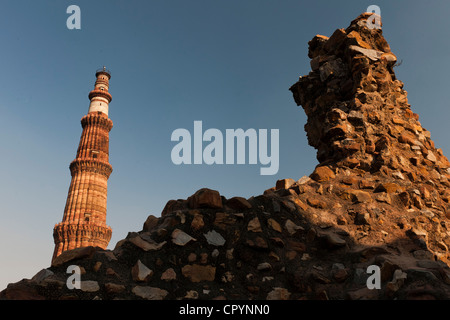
{"x": 84, "y": 220}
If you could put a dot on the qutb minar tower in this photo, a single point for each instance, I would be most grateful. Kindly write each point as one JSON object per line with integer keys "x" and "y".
{"x": 84, "y": 220}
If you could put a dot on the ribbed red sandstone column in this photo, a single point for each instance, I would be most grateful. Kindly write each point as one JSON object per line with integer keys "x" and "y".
{"x": 84, "y": 220}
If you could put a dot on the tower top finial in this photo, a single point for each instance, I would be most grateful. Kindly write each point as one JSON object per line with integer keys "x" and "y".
{"x": 103, "y": 71}
{"x": 100, "y": 97}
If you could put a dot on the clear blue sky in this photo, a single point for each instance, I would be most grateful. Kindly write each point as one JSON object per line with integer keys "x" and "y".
{"x": 227, "y": 63}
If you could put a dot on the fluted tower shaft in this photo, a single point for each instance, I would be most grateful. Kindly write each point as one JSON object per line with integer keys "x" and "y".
{"x": 84, "y": 220}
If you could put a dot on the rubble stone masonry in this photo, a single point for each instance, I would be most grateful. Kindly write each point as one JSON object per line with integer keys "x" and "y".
{"x": 378, "y": 199}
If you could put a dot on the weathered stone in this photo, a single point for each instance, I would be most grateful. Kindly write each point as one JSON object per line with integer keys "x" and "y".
{"x": 70, "y": 255}
{"x": 369, "y": 53}
{"x": 145, "y": 245}
{"x": 42, "y": 275}
{"x": 258, "y": 242}
{"x": 223, "y": 220}
{"x": 316, "y": 203}
{"x": 290, "y": 206}
{"x": 363, "y": 294}
{"x": 238, "y": 203}
{"x": 274, "y": 256}
{"x": 362, "y": 218}
{"x": 319, "y": 277}
{"x": 350, "y": 162}
{"x": 171, "y": 206}
{"x": 315, "y": 47}
{"x": 205, "y": 198}
{"x": 322, "y": 174}
{"x": 284, "y": 183}
{"x": 191, "y": 294}
{"x": 397, "y": 281}
{"x": 350, "y": 180}
{"x": 430, "y": 264}
{"x": 89, "y": 286}
{"x": 333, "y": 241}
{"x": 366, "y": 184}
{"x": 297, "y": 246}
{"x": 389, "y": 187}
{"x": 370, "y": 252}
{"x": 214, "y": 238}
{"x": 311, "y": 235}
{"x": 169, "y": 275}
{"x": 278, "y": 294}
{"x": 340, "y": 275}
{"x": 360, "y": 196}
{"x": 150, "y": 223}
{"x": 140, "y": 272}
{"x": 227, "y": 277}
{"x": 149, "y": 293}
{"x": 431, "y": 157}
{"x": 300, "y": 204}
{"x": 181, "y": 238}
{"x": 407, "y": 137}
{"x": 274, "y": 225}
{"x": 291, "y": 254}
{"x": 336, "y": 39}
{"x": 420, "y": 273}
{"x": 383, "y": 197}
{"x": 316, "y": 62}
{"x": 192, "y": 257}
{"x": 356, "y": 196}
{"x": 390, "y": 58}
{"x": 356, "y": 117}
{"x": 204, "y": 258}
{"x": 416, "y": 233}
{"x": 113, "y": 288}
{"x": 340, "y": 220}
{"x": 197, "y": 273}
{"x": 264, "y": 266}
{"x": 405, "y": 198}
{"x": 331, "y": 68}
{"x": 423, "y": 255}
{"x": 398, "y": 175}
{"x": 110, "y": 256}
{"x": 21, "y": 291}
{"x": 254, "y": 225}
{"x": 291, "y": 227}
{"x": 303, "y": 180}
{"x": 197, "y": 222}
{"x": 355, "y": 39}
